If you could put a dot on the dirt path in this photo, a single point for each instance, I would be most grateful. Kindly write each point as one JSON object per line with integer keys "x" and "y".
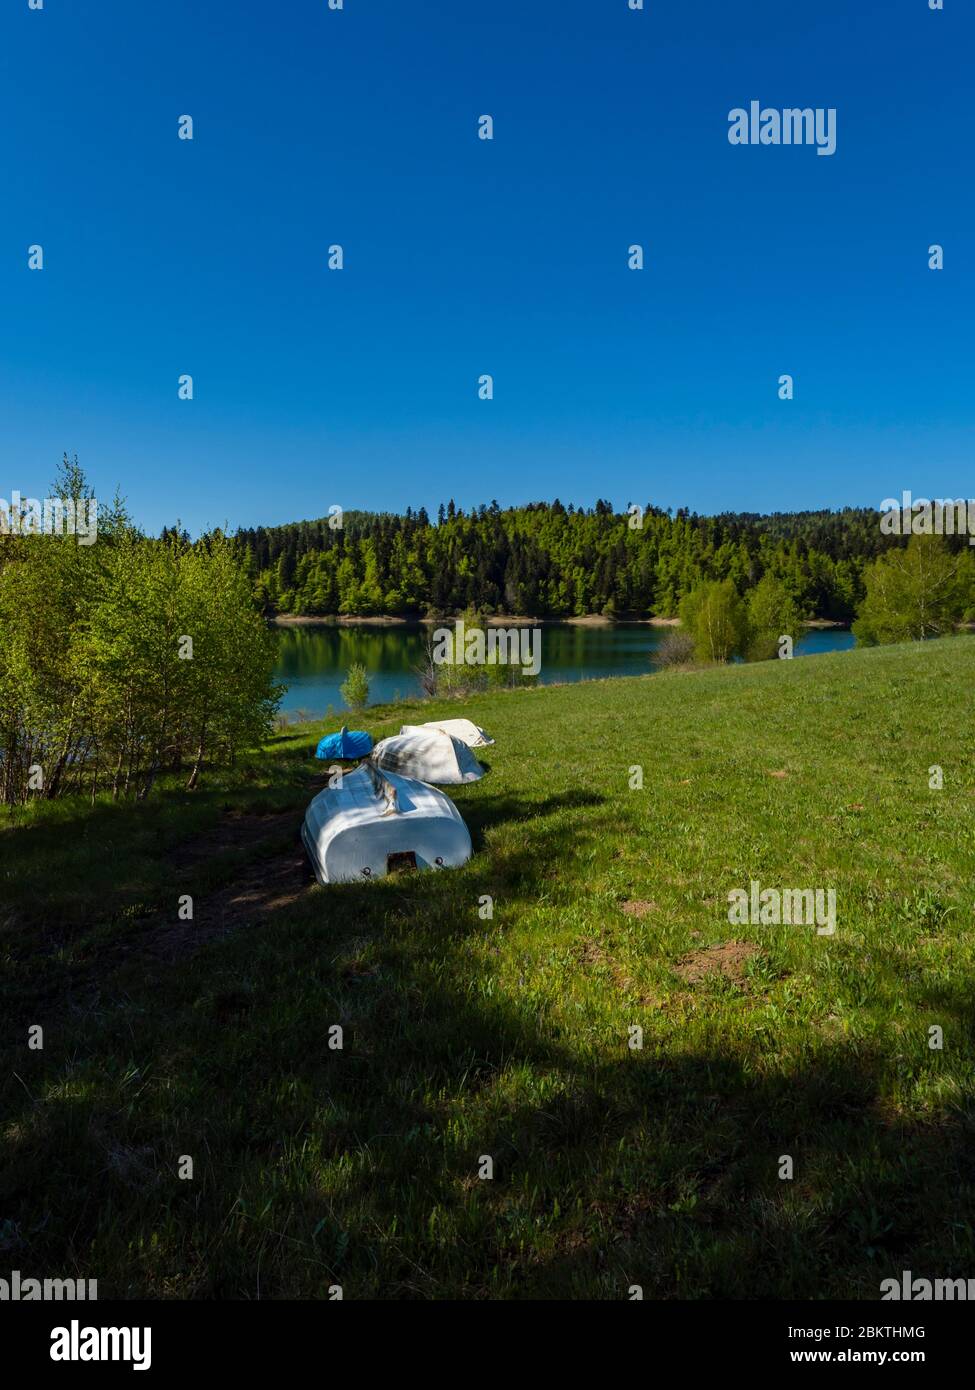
{"x": 273, "y": 880}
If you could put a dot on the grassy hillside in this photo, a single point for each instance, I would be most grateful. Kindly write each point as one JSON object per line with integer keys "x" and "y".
{"x": 508, "y": 1037}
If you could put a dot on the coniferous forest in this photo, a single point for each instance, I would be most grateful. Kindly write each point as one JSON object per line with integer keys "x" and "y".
{"x": 552, "y": 561}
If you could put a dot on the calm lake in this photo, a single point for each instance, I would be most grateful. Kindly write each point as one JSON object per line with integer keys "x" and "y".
{"x": 313, "y": 660}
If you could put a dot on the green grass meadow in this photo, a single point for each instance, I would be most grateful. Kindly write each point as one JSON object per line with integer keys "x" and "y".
{"x": 508, "y": 1036}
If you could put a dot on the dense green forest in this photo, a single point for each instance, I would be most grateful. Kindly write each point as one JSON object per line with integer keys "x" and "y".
{"x": 549, "y": 560}
{"x": 136, "y": 657}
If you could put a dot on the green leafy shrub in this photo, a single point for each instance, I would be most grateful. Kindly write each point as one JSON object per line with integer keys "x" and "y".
{"x": 355, "y": 688}
{"x": 716, "y": 620}
{"x": 772, "y": 614}
{"x": 911, "y": 594}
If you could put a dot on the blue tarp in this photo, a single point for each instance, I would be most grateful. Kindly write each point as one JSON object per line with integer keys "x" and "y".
{"x": 345, "y": 744}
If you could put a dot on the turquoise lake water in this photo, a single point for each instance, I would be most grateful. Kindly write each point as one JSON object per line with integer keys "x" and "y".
{"x": 314, "y": 660}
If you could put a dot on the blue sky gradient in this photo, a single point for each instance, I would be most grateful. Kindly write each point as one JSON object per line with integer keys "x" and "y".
{"x": 359, "y": 387}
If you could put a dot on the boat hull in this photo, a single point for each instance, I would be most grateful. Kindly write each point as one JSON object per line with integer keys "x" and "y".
{"x": 351, "y": 835}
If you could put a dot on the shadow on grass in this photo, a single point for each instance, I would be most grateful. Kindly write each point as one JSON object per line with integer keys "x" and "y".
{"x": 75, "y": 861}
{"x": 487, "y": 811}
{"x": 315, "y": 1165}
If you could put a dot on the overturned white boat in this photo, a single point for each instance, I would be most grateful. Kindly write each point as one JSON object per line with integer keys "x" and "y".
{"x": 376, "y": 823}
{"x": 464, "y": 729}
{"x": 429, "y": 755}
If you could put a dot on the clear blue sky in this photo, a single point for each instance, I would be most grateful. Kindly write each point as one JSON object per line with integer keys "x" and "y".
{"x": 462, "y": 256}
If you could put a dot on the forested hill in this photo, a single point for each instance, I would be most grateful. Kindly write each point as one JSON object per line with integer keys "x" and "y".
{"x": 548, "y": 560}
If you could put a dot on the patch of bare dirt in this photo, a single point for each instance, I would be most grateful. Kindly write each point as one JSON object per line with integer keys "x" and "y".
{"x": 237, "y": 830}
{"x": 273, "y": 880}
{"x": 276, "y": 875}
{"x": 356, "y": 969}
{"x": 628, "y": 1216}
{"x": 637, "y": 907}
{"x": 591, "y": 953}
{"x": 271, "y": 883}
{"x": 727, "y": 959}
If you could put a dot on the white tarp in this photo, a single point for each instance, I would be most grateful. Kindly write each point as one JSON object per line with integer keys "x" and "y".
{"x": 376, "y": 822}
{"x": 463, "y": 729}
{"x": 429, "y": 755}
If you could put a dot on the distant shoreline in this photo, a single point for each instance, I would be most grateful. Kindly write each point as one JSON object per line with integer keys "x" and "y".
{"x": 503, "y": 620}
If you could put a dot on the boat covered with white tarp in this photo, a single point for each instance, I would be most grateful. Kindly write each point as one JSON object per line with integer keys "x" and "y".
{"x": 428, "y": 755}
{"x": 375, "y": 823}
{"x": 464, "y": 729}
